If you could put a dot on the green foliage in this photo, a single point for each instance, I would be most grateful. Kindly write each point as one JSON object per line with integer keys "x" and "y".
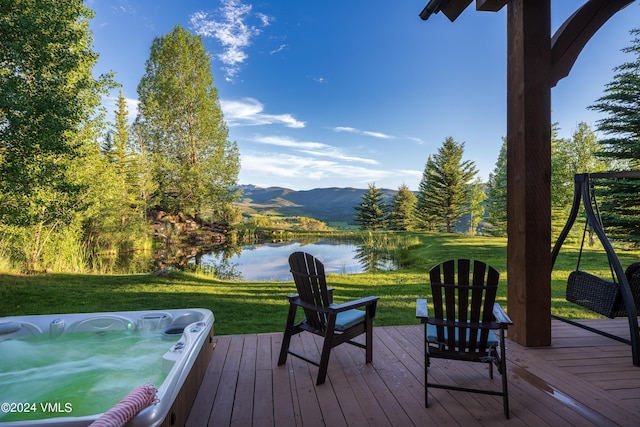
{"x": 445, "y": 194}
{"x": 477, "y": 199}
{"x": 621, "y": 103}
{"x": 48, "y": 114}
{"x": 403, "y": 207}
{"x": 181, "y": 126}
{"x": 618, "y": 201}
{"x": 115, "y": 219}
{"x": 426, "y": 213}
{"x": 497, "y": 195}
{"x": 310, "y": 224}
{"x": 372, "y": 213}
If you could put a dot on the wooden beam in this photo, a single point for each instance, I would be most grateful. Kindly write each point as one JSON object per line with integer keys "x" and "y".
{"x": 529, "y": 171}
{"x": 453, "y": 8}
{"x": 490, "y": 5}
{"x": 576, "y": 31}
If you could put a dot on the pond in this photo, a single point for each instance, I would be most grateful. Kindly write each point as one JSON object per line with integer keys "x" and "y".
{"x": 269, "y": 261}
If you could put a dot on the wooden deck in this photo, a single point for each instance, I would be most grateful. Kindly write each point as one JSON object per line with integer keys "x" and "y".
{"x": 583, "y": 379}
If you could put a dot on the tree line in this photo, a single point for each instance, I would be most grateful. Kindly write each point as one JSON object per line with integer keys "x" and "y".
{"x": 451, "y": 190}
{"x": 71, "y": 183}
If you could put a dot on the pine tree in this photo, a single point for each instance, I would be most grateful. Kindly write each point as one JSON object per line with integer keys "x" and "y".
{"x": 118, "y": 220}
{"x": 403, "y": 209}
{"x": 622, "y": 104}
{"x": 126, "y": 162}
{"x": 426, "y": 213}
{"x": 449, "y": 180}
{"x": 371, "y": 214}
{"x": 182, "y": 127}
{"x": 620, "y": 199}
{"x": 497, "y": 195}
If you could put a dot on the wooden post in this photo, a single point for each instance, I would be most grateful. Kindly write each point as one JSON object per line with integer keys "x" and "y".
{"x": 529, "y": 171}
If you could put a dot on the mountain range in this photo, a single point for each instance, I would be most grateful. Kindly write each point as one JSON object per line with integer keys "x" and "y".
{"x": 324, "y": 204}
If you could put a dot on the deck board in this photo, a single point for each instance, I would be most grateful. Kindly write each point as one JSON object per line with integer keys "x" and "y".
{"x": 581, "y": 379}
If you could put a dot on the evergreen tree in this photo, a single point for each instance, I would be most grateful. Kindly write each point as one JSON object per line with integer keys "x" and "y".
{"x": 182, "y": 127}
{"x": 497, "y": 195}
{"x": 117, "y": 221}
{"x": 621, "y": 103}
{"x": 371, "y": 214}
{"x": 127, "y": 165}
{"x": 403, "y": 209}
{"x": 48, "y": 114}
{"x": 426, "y": 213}
{"x": 449, "y": 181}
{"x": 147, "y": 185}
{"x": 619, "y": 199}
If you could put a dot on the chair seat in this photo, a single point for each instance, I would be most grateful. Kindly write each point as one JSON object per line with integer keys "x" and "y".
{"x": 432, "y": 336}
{"x": 349, "y": 318}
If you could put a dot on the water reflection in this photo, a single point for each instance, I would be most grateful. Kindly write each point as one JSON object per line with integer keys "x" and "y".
{"x": 269, "y": 261}
{"x": 261, "y": 262}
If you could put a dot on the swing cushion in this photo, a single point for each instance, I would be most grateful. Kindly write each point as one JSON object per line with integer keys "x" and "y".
{"x": 593, "y": 293}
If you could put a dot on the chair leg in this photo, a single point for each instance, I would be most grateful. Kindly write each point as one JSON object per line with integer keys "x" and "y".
{"x": 369, "y": 339}
{"x": 324, "y": 357}
{"x": 286, "y": 339}
{"x": 426, "y": 369}
{"x": 503, "y": 371}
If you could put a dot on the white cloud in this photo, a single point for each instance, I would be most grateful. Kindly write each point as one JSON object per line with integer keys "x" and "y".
{"x": 279, "y": 49}
{"x": 363, "y": 132}
{"x": 415, "y": 139}
{"x": 316, "y": 149}
{"x": 337, "y": 154}
{"x": 284, "y": 141}
{"x": 266, "y": 20}
{"x": 269, "y": 167}
{"x": 250, "y": 112}
{"x": 231, "y": 28}
{"x": 318, "y": 79}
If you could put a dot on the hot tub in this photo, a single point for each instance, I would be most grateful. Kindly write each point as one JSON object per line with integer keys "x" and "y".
{"x": 93, "y": 359}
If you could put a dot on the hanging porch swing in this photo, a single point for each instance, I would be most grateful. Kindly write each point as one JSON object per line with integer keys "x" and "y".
{"x": 616, "y": 298}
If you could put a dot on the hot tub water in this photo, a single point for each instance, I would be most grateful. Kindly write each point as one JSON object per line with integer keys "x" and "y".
{"x": 86, "y": 372}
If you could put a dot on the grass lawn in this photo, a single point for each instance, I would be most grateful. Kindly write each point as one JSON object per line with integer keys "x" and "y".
{"x": 254, "y": 307}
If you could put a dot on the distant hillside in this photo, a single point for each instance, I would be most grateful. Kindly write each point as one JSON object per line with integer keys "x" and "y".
{"x": 324, "y": 204}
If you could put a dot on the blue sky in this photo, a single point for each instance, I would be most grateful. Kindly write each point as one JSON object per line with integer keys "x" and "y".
{"x": 345, "y": 93}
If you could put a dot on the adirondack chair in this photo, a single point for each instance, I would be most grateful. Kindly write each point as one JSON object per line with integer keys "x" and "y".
{"x": 463, "y": 323}
{"x": 336, "y": 323}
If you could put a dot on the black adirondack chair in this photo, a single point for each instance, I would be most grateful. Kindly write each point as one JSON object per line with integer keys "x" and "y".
{"x": 464, "y": 320}
{"x": 336, "y": 323}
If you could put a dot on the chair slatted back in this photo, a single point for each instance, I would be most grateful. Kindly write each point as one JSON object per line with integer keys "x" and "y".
{"x": 461, "y": 305}
{"x": 308, "y": 275}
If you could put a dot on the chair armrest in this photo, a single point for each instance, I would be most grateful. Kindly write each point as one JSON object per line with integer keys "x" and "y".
{"x": 334, "y": 308}
{"x": 329, "y": 293}
{"x": 422, "y": 311}
{"x": 500, "y": 315}
{"x": 352, "y": 304}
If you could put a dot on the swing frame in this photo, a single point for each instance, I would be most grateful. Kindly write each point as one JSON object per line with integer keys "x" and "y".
{"x": 582, "y": 190}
